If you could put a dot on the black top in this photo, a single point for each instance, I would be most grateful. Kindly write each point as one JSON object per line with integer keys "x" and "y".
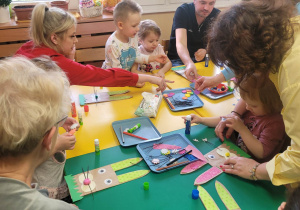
{"x": 196, "y": 34}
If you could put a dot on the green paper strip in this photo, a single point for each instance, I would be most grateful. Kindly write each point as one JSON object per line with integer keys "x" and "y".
{"x": 178, "y": 68}
{"x": 81, "y": 100}
{"x": 125, "y": 163}
{"x": 117, "y": 92}
{"x": 206, "y": 199}
{"x": 132, "y": 175}
{"x": 238, "y": 150}
{"x": 226, "y": 197}
{"x": 75, "y": 195}
{"x": 116, "y": 98}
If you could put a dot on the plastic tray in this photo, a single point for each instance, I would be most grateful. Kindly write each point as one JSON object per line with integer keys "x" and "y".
{"x": 147, "y": 130}
{"x": 148, "y": 153}
{"x": 211, "y": 95}
{"x": 178, "y": 97}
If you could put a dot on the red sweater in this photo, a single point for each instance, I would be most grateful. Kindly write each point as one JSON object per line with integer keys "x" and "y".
{"x": 79, "y": 74}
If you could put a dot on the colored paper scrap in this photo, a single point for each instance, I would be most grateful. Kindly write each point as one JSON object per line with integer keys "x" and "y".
{"x": 226, "y": 197}
{"x": 208, "y": 175}
{"x": 165, "y": 146}
{"x": 206, "y": 199}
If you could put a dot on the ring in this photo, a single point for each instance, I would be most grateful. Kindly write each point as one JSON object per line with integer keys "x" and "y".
{"x": 231, "y": 166}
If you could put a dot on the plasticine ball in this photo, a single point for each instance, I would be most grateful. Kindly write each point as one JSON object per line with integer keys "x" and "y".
{"x": 227, "y": 154}
{"x": 187, "y": 95}
{"x": 165, "y": 95}
{"x": 86, "y": 181}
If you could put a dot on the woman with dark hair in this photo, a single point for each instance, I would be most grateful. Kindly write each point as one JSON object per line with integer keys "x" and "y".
{"x": 260, "y": 36}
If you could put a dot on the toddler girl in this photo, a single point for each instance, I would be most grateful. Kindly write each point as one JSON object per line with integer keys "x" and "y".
{"x": 149, "y": 35}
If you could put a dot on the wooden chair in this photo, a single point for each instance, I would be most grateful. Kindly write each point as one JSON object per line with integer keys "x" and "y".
{"x": 165, "y": 43}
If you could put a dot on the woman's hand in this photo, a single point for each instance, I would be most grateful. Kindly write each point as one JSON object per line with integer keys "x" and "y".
{"x": 206, "y": 82}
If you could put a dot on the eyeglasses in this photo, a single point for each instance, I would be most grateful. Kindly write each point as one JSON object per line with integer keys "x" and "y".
{"x": 58, "y": 123}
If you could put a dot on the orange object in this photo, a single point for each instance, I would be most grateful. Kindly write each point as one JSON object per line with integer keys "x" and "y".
{"x": 184, "y": 97}
{"x": 130, "y": 134}
{"x": 86, "y": 108}
{"x": 165, "y": 95}
{"x": 170, "y": 103}
{"x": 71, "y": 132}
{"x": 73, "y": 109}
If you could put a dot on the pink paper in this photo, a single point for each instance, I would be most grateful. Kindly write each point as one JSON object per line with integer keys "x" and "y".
{"x": 208, "y": 175}
{"x": 193, "y": 167}
{"x": 165, "y": 146}
{"x": 195, "y": 152}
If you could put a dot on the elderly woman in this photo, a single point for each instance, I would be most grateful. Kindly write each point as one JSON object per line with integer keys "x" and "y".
{"x": 34, "y": 104}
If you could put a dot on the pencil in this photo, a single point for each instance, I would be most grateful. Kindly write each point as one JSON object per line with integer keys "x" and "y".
{"x": 122, "y": 134}
{"x": 130, "y": 134}
{"x": 176, "y": 164}
{"x": 178, "y": 158}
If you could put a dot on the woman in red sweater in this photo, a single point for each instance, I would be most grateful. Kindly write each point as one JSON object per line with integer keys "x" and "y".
{"x": 53, "y": 34}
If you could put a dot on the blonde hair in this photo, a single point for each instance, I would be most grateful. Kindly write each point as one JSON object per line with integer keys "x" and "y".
{"x": 262, "y": 90}
{"x": 147, "y": 26}
{"x": 124, "y": 8}
{"x": 33, "y": 101}
{"x": 47, "y": 21}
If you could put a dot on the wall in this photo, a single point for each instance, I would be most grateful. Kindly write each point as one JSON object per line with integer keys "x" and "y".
{"x": 164, "y": 21}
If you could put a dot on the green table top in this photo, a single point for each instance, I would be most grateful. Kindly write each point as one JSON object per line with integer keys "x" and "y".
{"x": 170, "y": 189}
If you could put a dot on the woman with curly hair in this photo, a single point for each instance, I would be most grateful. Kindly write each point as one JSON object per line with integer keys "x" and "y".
{"x": 263, "y": 37}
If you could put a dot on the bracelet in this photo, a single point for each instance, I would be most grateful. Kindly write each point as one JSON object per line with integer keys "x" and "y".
{"x": 238, "y": 114}
{"x": 252, "y": 171}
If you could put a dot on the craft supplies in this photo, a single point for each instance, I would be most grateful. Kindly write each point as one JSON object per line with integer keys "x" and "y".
{"x": 146, "y": 185}
{"x": 206, "y": 60}
{"x": 97, "y": 146}
{"x": 130, "y": 134}
{"x": 173, "y": 161}
{"x": 80, "y": 118}
{"x": 188, "y": 124}
{"x": 121, "y": 130}
{"x": 226, "y": 197}
{"x": 134, "y": 128}
{"x": 206, "y": 199}
{"x": 86, "y": 108}
{"x": 73, "y": 108}
{"x": 195, "y": 194}
{"x": 149, "y": 105}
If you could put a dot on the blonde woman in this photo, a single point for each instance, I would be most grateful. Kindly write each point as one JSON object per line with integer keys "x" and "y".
{"x": 35, "y": 106}
{"x": 53, "y": 33}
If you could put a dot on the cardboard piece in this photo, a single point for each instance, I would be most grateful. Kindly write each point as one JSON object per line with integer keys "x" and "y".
{"x": 193, "y": 167}
{"x": 207, "y": 175}
{"x": 206, "y": 199}
{"x": 226, "y": 197}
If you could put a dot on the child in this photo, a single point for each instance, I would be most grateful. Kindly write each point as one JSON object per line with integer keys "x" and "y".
{"x": 149, "y": 34}
{"x": 121, "y": 49}
{"x": 50, "y": 174}
{"x": 261, "y": 128}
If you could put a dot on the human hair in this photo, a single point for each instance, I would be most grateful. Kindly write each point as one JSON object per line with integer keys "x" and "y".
{"x": 262, "y": 90}
{"x": 33, "y": 101}
{"x": 124, "y": 8}
{"x": 147, "y": 26}
{"x": 252, "y": 36}
{"x": 293, "y": 202}
{"x": 48, "y": 21}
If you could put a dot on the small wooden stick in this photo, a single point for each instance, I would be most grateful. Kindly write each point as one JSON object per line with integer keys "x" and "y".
{"x": 176, "y": 164}
{"x": 130, "y": 134}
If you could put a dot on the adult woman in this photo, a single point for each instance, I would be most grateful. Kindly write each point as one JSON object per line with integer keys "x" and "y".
{"x": 258, "y": 36}
{"x": 53, "y": 34}
{"x": 36, "y": 103}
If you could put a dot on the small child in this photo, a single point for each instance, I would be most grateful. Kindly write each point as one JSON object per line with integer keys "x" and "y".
{"x": 149, "y": 35}
{"x": 50, "y": 174}
{"x": 261, "y": 131}
{"x": 121, "y": 49}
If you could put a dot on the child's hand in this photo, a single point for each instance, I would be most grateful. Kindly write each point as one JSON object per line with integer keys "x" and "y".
{"x": 140, "y": 84}
{"x": 160, "y": 74}
{"x": 158, "y": 58}
{"x": 162, "y": 84}
{"x": 65, "y": 141}
{"x": 200, "y": 54}
{"x": 236, "y": 123}
{"x": 194, "y": 119}
{"x": 70, "y": 121}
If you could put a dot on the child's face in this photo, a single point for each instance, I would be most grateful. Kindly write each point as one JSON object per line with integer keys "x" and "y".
{"x": 255, "y": 106}
{"x": 130, "y": 27}
{"x": 150, "y": 42}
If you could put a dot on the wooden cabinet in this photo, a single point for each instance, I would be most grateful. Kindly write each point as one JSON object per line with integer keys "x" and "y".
{"x": 92, "y": 34}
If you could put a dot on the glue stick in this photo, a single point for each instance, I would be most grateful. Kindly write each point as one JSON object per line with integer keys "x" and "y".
{"x": 206, "y": 60}
{"x": 73, "y": 108}
{"x": 188, "y": 124}
{"x": 97, "y": 147}
{"x": 131, "y": 130}
{"x": 80, "y": 118}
